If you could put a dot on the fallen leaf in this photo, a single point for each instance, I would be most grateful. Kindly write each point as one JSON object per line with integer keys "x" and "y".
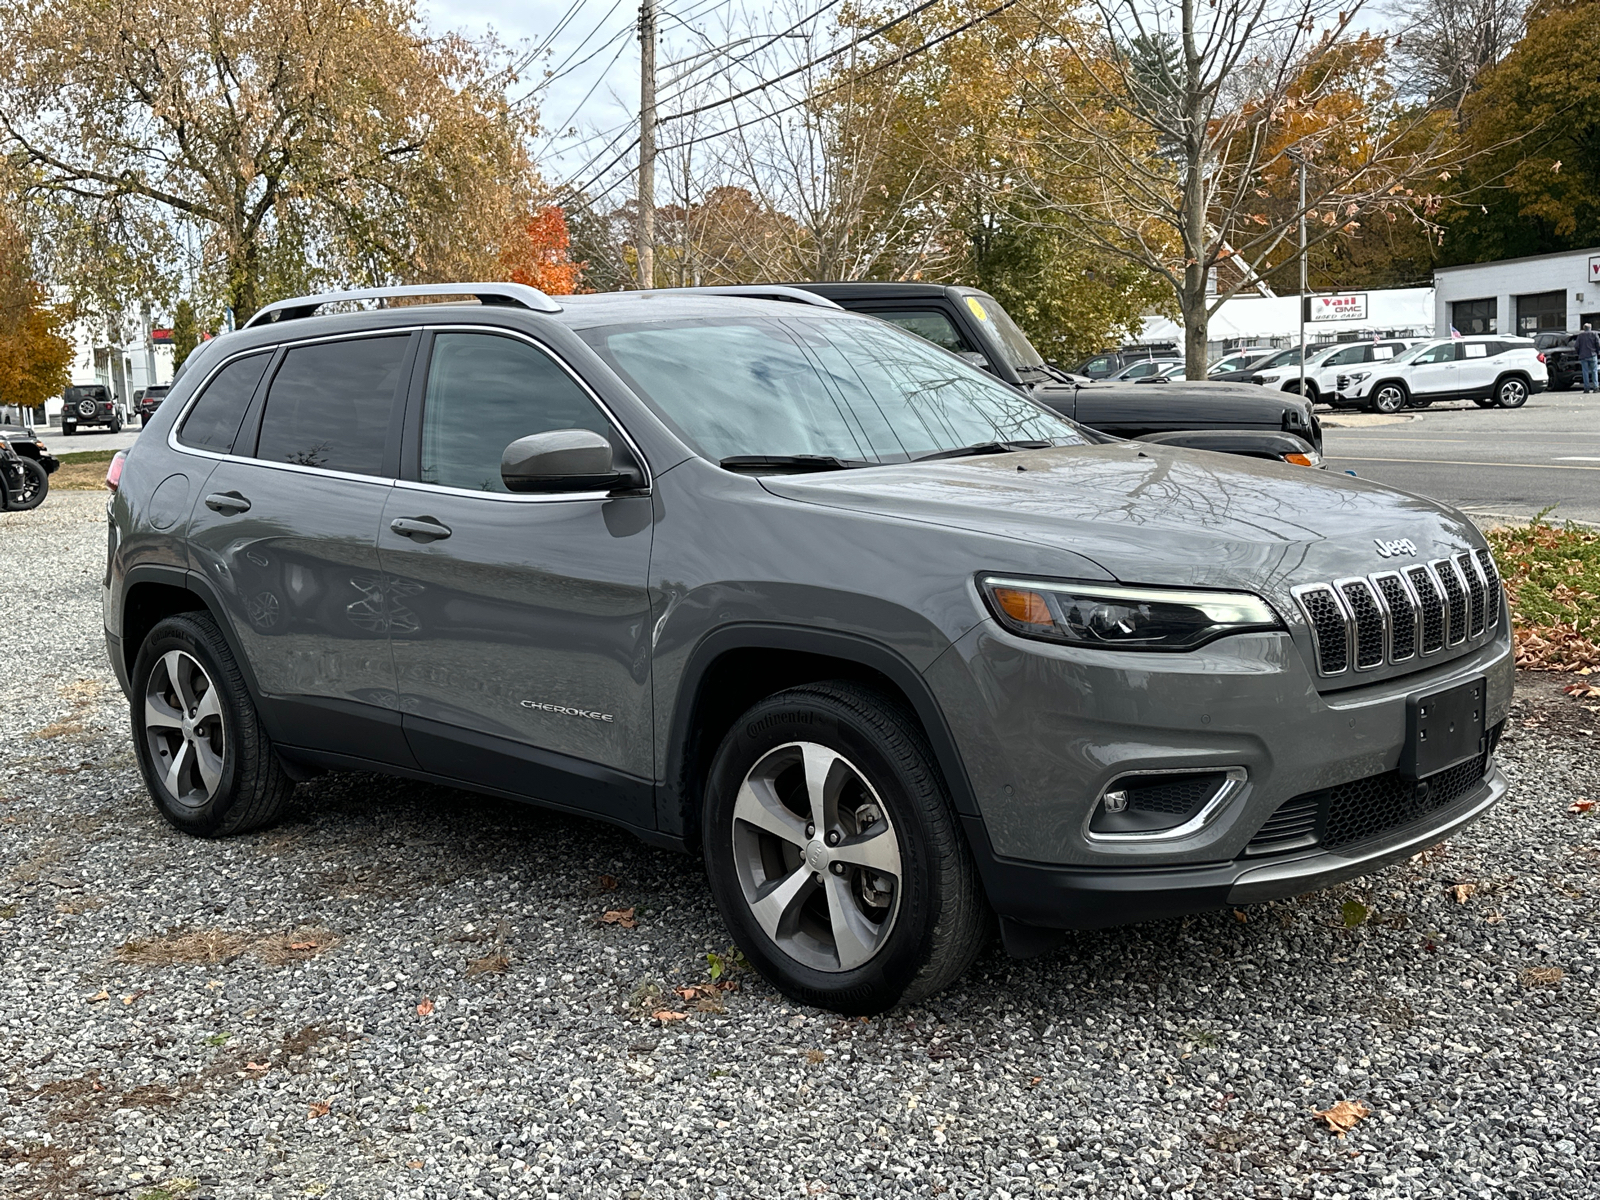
{"x": 608, "y": 882}
{"x": 1354, "y": 913}
{"x": 318, "y": 1108}
{"x": 99, "y": 996}
{"x": 1343, "y": 1116}
{"x": 1035, "y": 1080}
{"x": 302, "y": 945}
{"x": 1239, "y": 916}
{"x": 135, "y": 995}
{"x": 1462, "y": 891}
{"x": 619, "y": 916}
{"x": 1495, "y": 918}
{"x": 255, "y": 1066}
{"x": 425, "y": 1007}
{"x": 1580, "y": 806}
{"x": 415, "y": 1165}
{"x": 666, "y": 1014}
{"x": 1542, "y": 976}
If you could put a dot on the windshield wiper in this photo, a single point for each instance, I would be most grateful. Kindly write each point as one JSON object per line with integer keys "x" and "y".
{"x": 792, "y": 462}
{"x": 983, "y": 448}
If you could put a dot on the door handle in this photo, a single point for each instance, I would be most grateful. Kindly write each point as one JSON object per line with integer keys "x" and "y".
{"x": 422, "y": 529}
{"x": 229, "y": 504}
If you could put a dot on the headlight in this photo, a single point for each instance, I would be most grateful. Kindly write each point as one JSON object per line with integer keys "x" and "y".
{"x": 1113, "y": 617}
{"x": 1357, "y": 376}
{"x": 1272, "y": 378}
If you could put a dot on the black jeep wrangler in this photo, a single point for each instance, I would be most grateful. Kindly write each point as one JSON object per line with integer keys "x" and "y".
{"x": 89, "y": 404}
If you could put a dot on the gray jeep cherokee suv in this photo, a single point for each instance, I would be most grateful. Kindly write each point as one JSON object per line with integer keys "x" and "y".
{"x": 896, "y": 648}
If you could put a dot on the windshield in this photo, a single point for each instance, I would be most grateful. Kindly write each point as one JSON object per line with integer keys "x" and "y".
{"x": 1412, "y": 353}
{"x": 1002, "y": 334}
{"x": 842, "y": 387}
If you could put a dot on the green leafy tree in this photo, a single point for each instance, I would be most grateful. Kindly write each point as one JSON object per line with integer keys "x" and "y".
{"x": 185, "y": 333}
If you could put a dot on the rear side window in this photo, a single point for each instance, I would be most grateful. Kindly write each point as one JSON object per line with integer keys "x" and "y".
{"x": 330, "y": 404}
{"x": 934, "y": 327}
{"x": 213, "y": 422}
{"x": 1478, "y": 349}
{"x": 485, "y": 392}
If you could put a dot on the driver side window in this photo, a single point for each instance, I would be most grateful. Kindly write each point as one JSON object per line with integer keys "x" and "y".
{"x": 1443, "y": 352}
{"x": 484, "y": 392}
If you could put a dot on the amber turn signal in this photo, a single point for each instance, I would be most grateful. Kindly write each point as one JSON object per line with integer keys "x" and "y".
{"x": 1028, "y": 607}
{"x": 1299, "y": 460}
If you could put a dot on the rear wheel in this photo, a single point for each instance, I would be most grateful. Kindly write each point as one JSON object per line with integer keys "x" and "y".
{"x": 206, "y": 759}
{"x": 834, "y": 855}
{"x": 68, "y": 429}
{"x": 1511, "y": 393}
{"x": 116, "y": 424}
{"x": 1483, "y": 401}
{"x": 1390, "y": 398}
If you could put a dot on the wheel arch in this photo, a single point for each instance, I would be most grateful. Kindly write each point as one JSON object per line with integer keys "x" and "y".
{"x": 736, "y": 666}
{"x": 152, "y": 593}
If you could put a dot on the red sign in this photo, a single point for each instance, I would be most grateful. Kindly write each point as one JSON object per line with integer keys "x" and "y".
{"x": 161, "y": 336}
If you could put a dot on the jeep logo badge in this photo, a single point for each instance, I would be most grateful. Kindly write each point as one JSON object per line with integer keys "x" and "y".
{"x": 1397, "y": 547}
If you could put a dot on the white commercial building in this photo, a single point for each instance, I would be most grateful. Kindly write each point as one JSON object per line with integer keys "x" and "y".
{"x": 1539, "y": 294}
{"x": 1246, "y": 321}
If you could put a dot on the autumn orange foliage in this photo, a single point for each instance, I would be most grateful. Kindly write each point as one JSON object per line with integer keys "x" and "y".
{"x": 538, "y": 253}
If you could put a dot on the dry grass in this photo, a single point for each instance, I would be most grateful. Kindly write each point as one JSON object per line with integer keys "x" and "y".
{"x": 59, "y": 728}
{"x": 212, "y": 946}
{"x": 1542, "y": 976}
{"x": 489, "y": 964}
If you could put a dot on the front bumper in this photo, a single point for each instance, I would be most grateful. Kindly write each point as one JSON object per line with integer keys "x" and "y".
{"x": 1037, "y": 901}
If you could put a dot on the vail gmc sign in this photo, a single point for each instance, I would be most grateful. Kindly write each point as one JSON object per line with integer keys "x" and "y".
{"x": 1337, "y": 308}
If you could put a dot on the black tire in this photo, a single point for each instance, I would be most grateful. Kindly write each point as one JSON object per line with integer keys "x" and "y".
{"x": 35, "y": 486}
{"x": 252, "y": 788}
{"x": 1388, "y": 398}
{"x": 939, "y": 917}
{"x": 1420, "y": 403}
{"x": 1511, "y": 392}
{"x": 1483, "y": 401}
{"x": 116, "y": 424}
{"x": 68, "y": 430}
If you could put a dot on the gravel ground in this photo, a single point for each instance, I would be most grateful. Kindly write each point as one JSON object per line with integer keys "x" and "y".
{"x": 404, "y": 991}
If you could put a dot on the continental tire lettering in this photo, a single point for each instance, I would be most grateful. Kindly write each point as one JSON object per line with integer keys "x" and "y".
{"x": 564, "y": 710}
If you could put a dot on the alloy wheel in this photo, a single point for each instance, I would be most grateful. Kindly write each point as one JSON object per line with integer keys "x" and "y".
{"x": 817, "y": 856}
{"x": 1513, "y": 394}
{"x": 183, "y": 728}
{"x": 1389, "y": 399}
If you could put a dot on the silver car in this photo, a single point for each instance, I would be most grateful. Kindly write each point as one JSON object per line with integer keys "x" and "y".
{"x": 901, "y": 653}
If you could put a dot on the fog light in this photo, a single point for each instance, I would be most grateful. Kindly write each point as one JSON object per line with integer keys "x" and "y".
{"x": 1114, "y": 802}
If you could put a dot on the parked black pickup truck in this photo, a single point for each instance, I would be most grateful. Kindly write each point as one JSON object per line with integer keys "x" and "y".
{"x": 974, "y": 325}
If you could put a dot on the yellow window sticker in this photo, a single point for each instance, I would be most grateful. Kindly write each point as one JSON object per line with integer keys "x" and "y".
{"x": 977, "y": 309}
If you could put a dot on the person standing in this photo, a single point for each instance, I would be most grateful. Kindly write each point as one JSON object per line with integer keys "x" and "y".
{"x": 1587, "y": 345}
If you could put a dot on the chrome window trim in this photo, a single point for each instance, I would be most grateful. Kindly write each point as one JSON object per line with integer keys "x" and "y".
{"x": 1234, "y": 781}
{"x": 1299, "y": 594}
{"x": 1416, "y": 613}
{"x": 1353, "y": 623}
{"x": 287, "y": 344}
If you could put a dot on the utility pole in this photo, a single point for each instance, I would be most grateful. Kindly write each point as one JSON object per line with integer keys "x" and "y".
{"x": 646, "y": 238}
{"x": 1300, "y": 158}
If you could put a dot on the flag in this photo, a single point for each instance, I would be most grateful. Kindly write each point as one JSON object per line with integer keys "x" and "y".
{"x": 1454, "y": 332}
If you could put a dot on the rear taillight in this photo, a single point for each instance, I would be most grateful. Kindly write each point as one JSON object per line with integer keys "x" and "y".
{"x": 114, "y": 469}
{"x": 1541, "y": 357}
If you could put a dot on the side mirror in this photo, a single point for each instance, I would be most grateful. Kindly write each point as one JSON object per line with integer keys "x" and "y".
{"x": 563, "y": 460}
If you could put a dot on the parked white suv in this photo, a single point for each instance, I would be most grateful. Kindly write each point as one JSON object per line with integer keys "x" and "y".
{"x": 1324, "y": 365}
{"x": 1487, "y": 370}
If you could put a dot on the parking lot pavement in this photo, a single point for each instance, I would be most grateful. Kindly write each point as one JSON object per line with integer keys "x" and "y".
{"x": 413, "y": 992}
{"x": 88, "y": 438}
{"x": 1487, "y": 461}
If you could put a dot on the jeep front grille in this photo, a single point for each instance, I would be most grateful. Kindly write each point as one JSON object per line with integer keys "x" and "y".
{"x": 1393, "y": 616}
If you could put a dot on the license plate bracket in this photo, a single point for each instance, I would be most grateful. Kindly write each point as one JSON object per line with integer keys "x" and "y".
{"x": 1444, "y": 728}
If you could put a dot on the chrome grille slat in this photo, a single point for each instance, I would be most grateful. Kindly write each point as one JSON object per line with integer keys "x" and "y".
{"x": 1366, "y": 622}
{"x": 1455, "y": 592}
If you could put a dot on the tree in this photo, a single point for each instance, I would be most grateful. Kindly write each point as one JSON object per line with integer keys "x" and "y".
{"x": 1180, "y": 126}
{"x": 307, "y": 141}
{"x": 1445, "y": 45}
{"x": 1535, "y": 132}
{"x": 185, "y": 333}
{"x": 35, "y": 353}
{"x": 538, "y": 252}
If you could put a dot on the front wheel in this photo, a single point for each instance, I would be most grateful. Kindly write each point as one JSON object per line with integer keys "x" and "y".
{"x": 1511, "y": 393}
{"x": 116, "y": 424}
{"x": 35, "y": 486}
{"x": 1390, "y": 398}
{"x": 206, "y": 759}
{"x": 834, "y": 854}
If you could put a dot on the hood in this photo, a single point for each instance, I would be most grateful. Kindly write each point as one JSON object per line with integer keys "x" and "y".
{"x": 1156, "y": 515}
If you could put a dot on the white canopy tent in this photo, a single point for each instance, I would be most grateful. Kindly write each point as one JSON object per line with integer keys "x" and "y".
{"x": 1275, "y": 321}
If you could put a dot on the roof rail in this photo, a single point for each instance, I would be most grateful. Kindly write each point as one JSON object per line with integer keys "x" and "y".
{"x": 757, "y": 291}
{"x": 516, "y": 295}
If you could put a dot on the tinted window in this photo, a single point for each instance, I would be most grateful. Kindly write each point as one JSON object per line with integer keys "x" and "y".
{"x": 1439, "y": 353}
{"x": 837, "y": 386}
{"x": 1097, "y": 366}
{"x": 329, "y": 405}
{"x": 213, "y": 422}
{"x": 485, "y": 392}
{"x": 934, "y": 327}
{"x": 1350, "y": 354}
